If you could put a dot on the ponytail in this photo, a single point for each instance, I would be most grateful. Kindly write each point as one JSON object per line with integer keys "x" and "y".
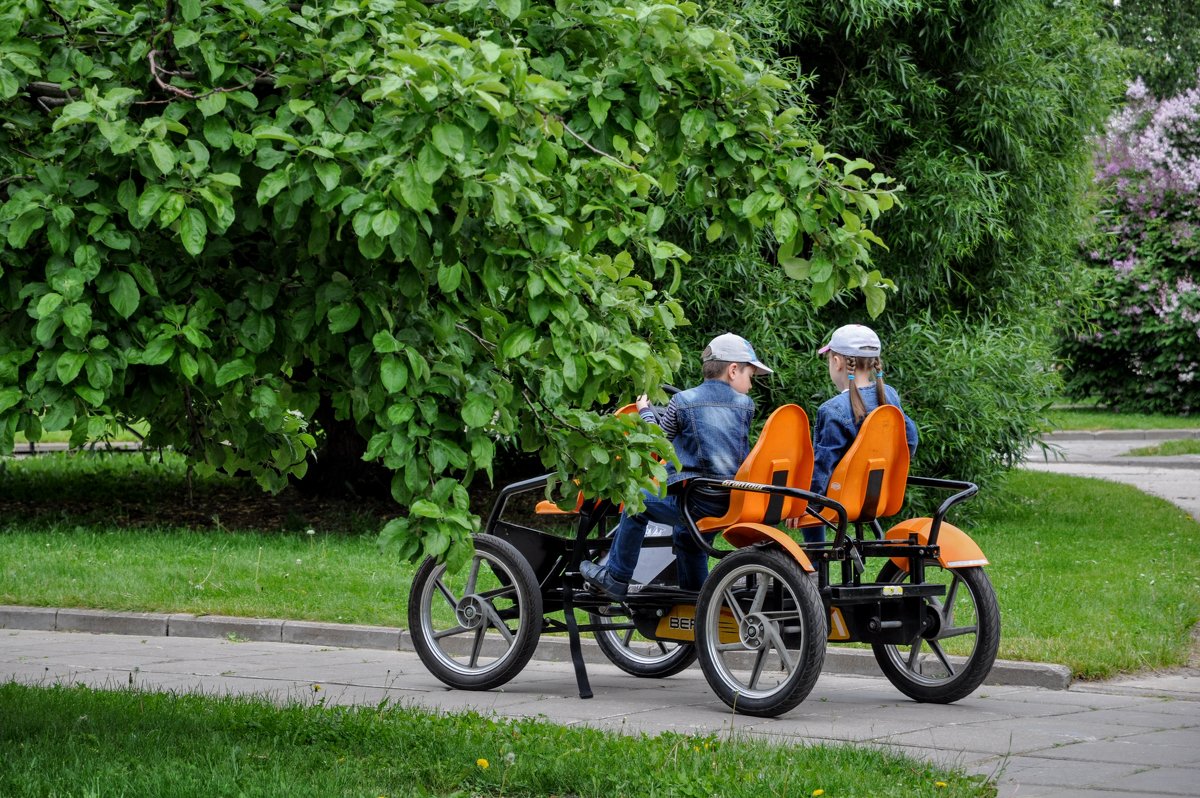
{"x": 874, "y": 364}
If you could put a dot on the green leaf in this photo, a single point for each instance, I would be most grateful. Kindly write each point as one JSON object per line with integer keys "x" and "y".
{"x": 449, "y": 138}
{"x": 509, "y": 8}
{"x": 163, "y": 156}
{"x": 234, "y": 370}
{"x": 330, "y": 174}
{"x": 48, "y": 303}
{"x": 478, "y": 410}
{"x": 212, "y": 104}
{"x": 25, "y": 226}
{"x": 343, "y": 317}
{"x": 68, "y": 366}
{"x": 271, "y": 184}
{"x": 517, "y": 341}
{"x": 193, "y": 231}
{"x": 125, "y": 295}
{"x": 9, "y": 398}
{"x": 158, "y": 351}
{"x": 393, "y": 373}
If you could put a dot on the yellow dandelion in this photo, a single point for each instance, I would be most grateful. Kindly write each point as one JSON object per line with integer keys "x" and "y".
{"x": 316, "y": 688}
{"x": 483, "y": 763}
{"x": 940, "y": 784}
{"x": 818, "y": 792}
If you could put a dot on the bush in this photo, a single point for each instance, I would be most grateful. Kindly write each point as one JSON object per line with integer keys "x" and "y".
{"x": 1141, "y": 350}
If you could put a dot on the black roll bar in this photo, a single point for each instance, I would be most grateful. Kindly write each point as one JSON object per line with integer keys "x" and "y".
{"x": 965, "y": 491}
{"x": 695, "y": 483}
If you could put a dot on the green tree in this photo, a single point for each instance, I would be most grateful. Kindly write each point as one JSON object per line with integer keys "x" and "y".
{"x": 451, "y": 224}
{"x": 984, "y": 112}
{"x": 1165, "y": 36}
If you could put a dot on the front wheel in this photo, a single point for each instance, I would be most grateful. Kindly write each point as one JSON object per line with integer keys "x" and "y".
{"x": 761, "y": 630}
{"x": 956, "y": 650}
{"x": 476, "y": 629}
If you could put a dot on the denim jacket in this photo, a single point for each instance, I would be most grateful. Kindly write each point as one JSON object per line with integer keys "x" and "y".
{"x": 709, "y": 426}
{"x": 835, "y": 431}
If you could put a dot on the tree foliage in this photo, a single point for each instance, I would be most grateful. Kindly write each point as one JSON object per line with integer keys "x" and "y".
{"x": 1165, "y": 38}
{"x": 1141, "y": 350}
{"x": 452, "y": 223}
{"x": 984, "y": 111}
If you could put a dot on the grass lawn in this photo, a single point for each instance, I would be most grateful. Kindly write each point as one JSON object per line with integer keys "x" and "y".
{"x": 1094, "y": 575}
{"x": 73, "y": 741}
{"x": 1167, "y": 448}
{"x": 1096, "y": 418}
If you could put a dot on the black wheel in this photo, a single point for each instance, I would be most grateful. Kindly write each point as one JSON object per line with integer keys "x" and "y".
{"x": 761, "y": 630}
{"x": 955, "y": 652}
{"x": 476, "y": 629}
{"x": 641, "y": 656}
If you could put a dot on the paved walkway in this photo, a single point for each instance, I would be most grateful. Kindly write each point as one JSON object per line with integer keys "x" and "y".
{"x": 1137, "y": 736}
{"x": 1096, "y": 742}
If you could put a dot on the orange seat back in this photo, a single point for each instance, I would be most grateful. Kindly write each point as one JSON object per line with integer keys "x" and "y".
{"x": 870, "y": 478}
{"x": 783, "y": 456}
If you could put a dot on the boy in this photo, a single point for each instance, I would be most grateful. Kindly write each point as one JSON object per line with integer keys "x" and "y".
{"x": 709, "y": 426}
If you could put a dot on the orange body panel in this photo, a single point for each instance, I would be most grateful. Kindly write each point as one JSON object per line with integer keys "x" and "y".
{"x": 956, "y": 549}
{"x": 742, "y": 535}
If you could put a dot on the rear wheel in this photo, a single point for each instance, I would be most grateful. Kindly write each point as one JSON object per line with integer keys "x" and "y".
{"x": 956, "y": 650}
{"x": 635, "y": 654}
{"x": 476, "y": 629}
{"x": 761, "y": 630}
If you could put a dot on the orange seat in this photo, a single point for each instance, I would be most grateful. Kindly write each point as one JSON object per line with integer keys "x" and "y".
{"x": 870, "y": 478}
{"x": 782, "y": 456}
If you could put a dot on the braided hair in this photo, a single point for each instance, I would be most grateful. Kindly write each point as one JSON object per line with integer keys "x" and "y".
{"x": 874, "y": 364}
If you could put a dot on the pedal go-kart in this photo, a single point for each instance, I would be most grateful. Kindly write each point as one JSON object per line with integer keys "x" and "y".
{"x": 762, "y": 620}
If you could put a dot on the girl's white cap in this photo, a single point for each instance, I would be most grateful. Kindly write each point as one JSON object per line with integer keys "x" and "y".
{"x": 853, "y": 340}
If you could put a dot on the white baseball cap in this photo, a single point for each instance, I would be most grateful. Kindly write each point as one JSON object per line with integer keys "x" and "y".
{"x": 735, "y": 349}
{"x": 853, "y": 340}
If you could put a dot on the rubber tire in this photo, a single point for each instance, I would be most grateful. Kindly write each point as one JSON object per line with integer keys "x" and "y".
{"x": 523, "y": 604}
{"x": 647, "y": 667}
{"x": 978, "y": 664}
{"x": 805, "y": 606}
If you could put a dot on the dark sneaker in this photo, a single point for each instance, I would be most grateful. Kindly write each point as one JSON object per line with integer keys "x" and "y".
{"x": 599, "y": 578}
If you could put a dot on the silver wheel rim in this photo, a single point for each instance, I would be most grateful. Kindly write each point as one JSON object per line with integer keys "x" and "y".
{"x": 925, "y": 661}
{"x": 637, "y": 649}
{"x": 478, "y": 602}
{"x": 767, "y": 656}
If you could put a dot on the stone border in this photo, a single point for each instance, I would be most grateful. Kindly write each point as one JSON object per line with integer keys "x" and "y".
{"x": 842, "y": 661}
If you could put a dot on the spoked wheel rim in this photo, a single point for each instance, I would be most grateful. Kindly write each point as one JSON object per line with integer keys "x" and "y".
{"x": 473, "y": 622}
{"x": 633, "y": 653}
{"x": 955, "y": 651}
{"x": 758, "y": 643}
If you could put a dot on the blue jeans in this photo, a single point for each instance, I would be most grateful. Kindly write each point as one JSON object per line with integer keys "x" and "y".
{"x": 691, "y": 562}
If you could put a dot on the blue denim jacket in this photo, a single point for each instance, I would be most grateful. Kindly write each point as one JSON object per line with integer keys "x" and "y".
{"x": 835, "y": 431}
{"x": 709, "y": 426}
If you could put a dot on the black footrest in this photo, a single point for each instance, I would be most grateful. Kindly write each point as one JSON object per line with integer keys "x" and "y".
{"x": 859, "y": 594}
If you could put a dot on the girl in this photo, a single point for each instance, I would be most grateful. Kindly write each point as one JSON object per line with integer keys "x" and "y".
{"x": 853, "y": 353}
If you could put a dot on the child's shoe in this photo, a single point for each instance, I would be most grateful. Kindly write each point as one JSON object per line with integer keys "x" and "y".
{"x": 599, "y": 577}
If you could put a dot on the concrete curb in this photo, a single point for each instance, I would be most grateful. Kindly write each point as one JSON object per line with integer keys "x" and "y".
{"x": 1122, "y": 435}
{"x": 841, "y": 661}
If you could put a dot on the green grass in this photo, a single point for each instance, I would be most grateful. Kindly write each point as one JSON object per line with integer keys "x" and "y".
{"x": 1167, "y": 449}
{"x": 1094, "y": 575}
{"x": 82, "y": 742}
{"x": 1095, "y": 418}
